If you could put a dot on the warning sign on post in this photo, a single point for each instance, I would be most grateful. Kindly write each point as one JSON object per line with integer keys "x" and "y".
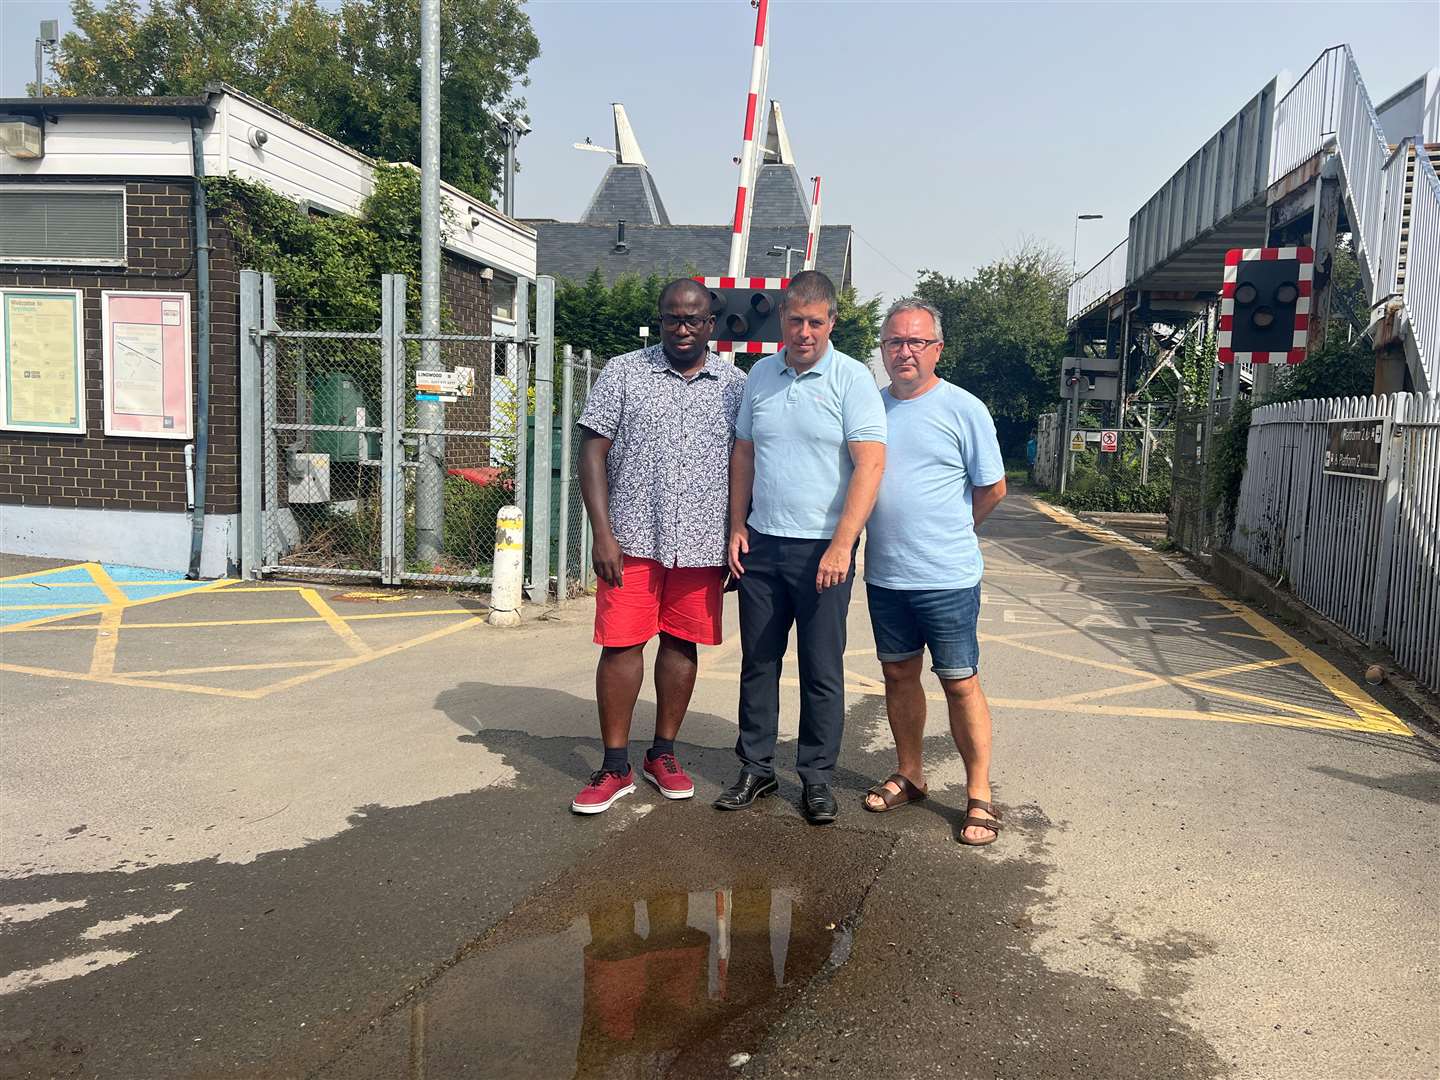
{"x": 1077, "y": 442}
{"x": 436, "y": 385}
{"x": 1109, "y": 442}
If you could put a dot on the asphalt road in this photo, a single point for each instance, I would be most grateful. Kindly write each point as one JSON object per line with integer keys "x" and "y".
{"x": 297, "y": 831}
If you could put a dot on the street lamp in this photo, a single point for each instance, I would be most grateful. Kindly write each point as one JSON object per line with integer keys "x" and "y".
{"x": 786, "y": 250}
{"x": 1075, "y": 247}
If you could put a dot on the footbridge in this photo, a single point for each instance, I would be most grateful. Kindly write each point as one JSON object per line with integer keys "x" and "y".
{"x": 1302, "y": 164}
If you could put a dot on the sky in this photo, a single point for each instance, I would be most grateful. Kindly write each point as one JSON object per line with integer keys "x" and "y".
{"x": 947, "y": 133}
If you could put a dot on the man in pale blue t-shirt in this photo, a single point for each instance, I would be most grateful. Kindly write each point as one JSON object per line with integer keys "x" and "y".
{"x": 943, "y": 476}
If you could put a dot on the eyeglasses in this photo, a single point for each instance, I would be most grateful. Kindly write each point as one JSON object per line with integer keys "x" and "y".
{"x": 690, "y": 322}
{"x": 914, "y": 344}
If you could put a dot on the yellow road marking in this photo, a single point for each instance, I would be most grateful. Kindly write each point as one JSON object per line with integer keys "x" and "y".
{"x": 1374, "y": 715}
{"x": 48, "y": 607}
{"x": 330, "y": 668}
{"x": 327, "y": 613}
{"x": 1158, "y": 681}
{"x": 355, "y": 661}
{"x": 105, "y": 583}
{"x": 95, "y": 609}
{"x": 277, "y": 665}
{"x": 107, "y": 642}
{"x": 208, "y": 623}
{"x": 43, "y": 573}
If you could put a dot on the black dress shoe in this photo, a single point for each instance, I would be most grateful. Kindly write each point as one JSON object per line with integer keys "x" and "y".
{"x": 745, "y": 791}
{"x": 818, "y": 802}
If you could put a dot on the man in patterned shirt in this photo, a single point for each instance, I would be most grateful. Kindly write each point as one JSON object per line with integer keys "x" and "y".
{"x": 655, "y": 472}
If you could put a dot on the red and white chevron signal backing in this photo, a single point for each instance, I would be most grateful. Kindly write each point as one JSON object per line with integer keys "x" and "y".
{"x": 1304, "y": 283}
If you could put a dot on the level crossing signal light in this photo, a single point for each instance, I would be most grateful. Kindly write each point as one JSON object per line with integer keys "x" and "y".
{"x": 747, "y": 312}
{"x": 1265, "y": 305}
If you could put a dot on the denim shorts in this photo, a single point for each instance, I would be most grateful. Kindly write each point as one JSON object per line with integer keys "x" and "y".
{"x": 906, "y": 622}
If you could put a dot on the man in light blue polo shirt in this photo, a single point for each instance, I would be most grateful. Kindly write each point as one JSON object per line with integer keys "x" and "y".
{"x": 922, "y": 561}
{"x": 809, "y": 453}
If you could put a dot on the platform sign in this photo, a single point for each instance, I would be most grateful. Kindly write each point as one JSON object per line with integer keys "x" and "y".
{"x": 1357, "y": 447}
{"x": 42, "y": 374}
{"x": 1077, "y": 442}
{"x": 146, "y": 357}
{"x": 1109, "y": 442}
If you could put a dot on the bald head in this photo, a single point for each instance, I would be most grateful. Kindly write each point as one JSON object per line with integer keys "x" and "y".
{"x": 684, "y": 288}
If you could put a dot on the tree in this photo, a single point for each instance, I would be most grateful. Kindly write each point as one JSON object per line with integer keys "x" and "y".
{"x": 351, "y": 72}
{"x": 857, "y": 325}
{"x": 1004, "y": 329}
{"x": 606, "y": 319}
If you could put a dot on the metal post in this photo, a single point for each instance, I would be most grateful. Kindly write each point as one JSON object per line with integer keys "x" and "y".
{"x": 508, "y": 569}
{"x": 1072, "y": 420}
{"x": 586, "y": 539}
{"x": 522, "y": 391}
{"x": 270, "y": 544}
{"x": 392, "y": 412}
{"x": 252, "y": 428}
{"x": 1145, "y": 445}
{"x": 567, "y": 419}
{"x": 1393, "y": 451}
{"x": 511, "y": 137}
{"x": 430, "y": 415}
{"x": 541, "y": 464}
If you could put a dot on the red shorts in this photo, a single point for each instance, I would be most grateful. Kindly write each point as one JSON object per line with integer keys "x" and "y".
{"x": 683, "y": 601}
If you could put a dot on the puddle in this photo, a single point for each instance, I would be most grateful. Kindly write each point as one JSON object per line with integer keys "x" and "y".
{"x": 673, "y": 985}
{"x": 667, "y": 952}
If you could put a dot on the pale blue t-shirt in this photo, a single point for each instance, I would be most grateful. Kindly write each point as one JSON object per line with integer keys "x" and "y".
{"x": 800, "y": 425}
{"x": 922, "y": 533}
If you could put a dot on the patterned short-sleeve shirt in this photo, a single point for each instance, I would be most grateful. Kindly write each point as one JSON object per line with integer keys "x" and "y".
{"x": 669, "y": 460}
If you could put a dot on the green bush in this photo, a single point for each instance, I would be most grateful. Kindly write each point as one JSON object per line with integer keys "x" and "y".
{"x": 1116, "y": 488}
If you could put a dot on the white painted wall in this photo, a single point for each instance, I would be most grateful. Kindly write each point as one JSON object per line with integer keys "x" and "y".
{"x": 153, "y": 539}
{"x": 295, "y": 160}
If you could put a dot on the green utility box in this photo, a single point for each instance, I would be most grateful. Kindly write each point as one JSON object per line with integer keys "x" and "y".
{"x": 337, "y": 399}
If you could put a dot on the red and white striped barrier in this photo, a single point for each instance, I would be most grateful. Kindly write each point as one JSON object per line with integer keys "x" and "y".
{"x": 749, "y": 154}
{"x": 812, "y": 240}
{"x": 744, "y": 282}
{"x": 1304, "y": 284}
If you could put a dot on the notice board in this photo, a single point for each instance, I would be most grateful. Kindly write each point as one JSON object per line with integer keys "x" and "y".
{"x": 42, "y": 386}
{"x": 147, "y": 364}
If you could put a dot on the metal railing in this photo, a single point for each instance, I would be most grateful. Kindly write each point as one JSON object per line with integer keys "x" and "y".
{"x": 1101, "y": 281}
{"x": 1330, "y": 102}
{"x": 1422, "y": 268}
{"x": 1362, "y": 552}
{"x": 1388, "y": 250}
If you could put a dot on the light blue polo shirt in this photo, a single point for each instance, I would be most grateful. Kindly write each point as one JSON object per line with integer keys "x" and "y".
{"x": 800, "y": 425}
{"x": 921, "y": 535}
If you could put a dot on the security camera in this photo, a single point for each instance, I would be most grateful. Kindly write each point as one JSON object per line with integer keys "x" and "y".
{"x": 258, "y": 138}
{"x": 475, "y": 219}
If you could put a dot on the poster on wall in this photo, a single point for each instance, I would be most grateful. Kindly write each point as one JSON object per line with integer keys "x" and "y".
{"x": 42, "y": 386}
{"x": 147, "y": 364}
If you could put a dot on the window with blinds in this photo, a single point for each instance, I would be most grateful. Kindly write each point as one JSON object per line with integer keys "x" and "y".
{"x": 60, "y": 225}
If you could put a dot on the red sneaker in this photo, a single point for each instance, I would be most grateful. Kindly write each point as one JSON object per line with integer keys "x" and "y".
{"x": 602, "y": 790}
{"x": 667, "y": 775}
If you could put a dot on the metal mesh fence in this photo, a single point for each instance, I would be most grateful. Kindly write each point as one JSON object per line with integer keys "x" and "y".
{"x": 461, "y": 414}
{"x": 323, "y": 401}
{"x": 573, "y": 567}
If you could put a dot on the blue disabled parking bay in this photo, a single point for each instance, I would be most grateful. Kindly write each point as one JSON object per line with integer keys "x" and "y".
{"x": 80, "y": 590}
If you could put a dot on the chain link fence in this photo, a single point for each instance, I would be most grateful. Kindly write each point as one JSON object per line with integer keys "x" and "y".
{"x": 379, "y": 453}
{"x": 574, "y": 572}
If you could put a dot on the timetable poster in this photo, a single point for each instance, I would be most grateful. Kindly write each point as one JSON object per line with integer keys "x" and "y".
{"x": 43, "y": 383}
{"x": 147, "y": 364}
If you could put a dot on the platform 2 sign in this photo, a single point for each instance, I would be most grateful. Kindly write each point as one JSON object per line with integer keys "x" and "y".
{"x": 1357, "y": 447}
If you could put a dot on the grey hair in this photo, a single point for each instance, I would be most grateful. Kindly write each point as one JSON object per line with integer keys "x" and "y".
{"x": 911, "y": 303}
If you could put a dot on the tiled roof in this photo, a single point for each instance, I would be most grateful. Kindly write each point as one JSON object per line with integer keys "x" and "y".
{"x": 626, "y": 193}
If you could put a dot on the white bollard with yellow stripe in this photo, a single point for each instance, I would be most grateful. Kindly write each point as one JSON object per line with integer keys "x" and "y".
{"x": 508, "y": 577}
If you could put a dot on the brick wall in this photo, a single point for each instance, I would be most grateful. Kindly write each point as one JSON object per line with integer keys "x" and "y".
{"x": 467, "y": 301}
{"x": 125, "y": 473}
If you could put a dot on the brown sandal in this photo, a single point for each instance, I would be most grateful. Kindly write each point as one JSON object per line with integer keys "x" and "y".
{"x": 991, "y": 823}
{"x": 908, "y": 793}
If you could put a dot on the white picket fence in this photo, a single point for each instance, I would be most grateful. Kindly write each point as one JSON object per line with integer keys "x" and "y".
{"x": 1364, "y": 553}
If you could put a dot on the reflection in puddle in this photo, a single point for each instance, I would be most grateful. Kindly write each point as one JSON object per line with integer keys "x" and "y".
{"x": 630, "y": 989}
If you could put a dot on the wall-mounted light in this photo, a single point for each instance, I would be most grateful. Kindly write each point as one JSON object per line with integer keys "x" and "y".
{"x": 22, "y": 137}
